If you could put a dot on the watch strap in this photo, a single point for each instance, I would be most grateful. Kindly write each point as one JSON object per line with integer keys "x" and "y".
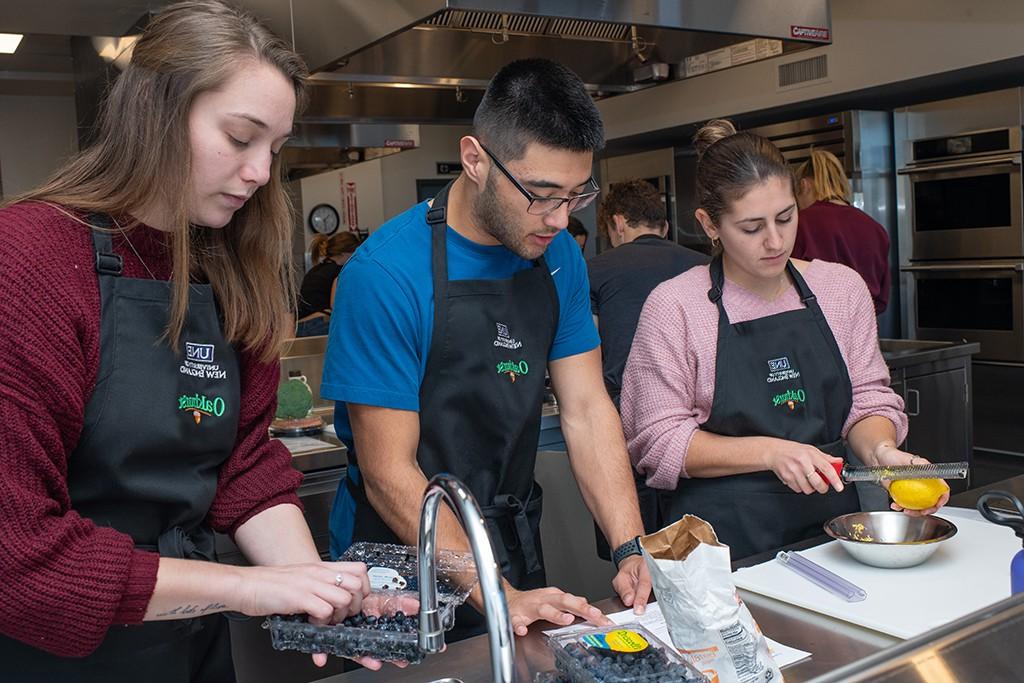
{"x": 630, "y": 547}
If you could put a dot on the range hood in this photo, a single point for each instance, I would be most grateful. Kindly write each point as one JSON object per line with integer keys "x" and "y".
{"x": 395, "y": 62}
{"x": 461, "y": 43}
{"x": 382, "y": 64}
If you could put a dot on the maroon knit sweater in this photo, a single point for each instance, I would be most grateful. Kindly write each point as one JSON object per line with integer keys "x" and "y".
{"x": 845, "y": 234}
{"x": 64, "y": 580}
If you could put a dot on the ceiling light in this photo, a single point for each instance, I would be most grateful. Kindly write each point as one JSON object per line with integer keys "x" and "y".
{"x": 9, "y": 42}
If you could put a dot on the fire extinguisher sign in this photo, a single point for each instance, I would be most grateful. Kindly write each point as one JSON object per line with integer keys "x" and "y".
{"x": 349, "y": 202}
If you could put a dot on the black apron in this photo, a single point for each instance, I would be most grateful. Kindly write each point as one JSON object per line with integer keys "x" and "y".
{"x": 781, "y": 376}
{"x": 156, "y": 430}
{"x": 480, "y": 408}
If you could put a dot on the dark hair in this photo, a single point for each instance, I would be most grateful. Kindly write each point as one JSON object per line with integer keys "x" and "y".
{"x": 537, "y": 100}
{"x": 730, "y": 163}
{"x": 636, "y": 200}
{"x": 576, "y": 227}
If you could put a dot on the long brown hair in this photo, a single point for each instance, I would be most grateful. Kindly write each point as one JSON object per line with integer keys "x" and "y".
{"x": 730, "y": 163}
{"x": 141, "y": 156}
{"x": 827, "y": 176}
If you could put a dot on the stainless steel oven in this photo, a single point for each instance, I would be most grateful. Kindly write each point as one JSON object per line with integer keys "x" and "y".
{"x": 974, "y": 301}
{"x": 965, "y": 196}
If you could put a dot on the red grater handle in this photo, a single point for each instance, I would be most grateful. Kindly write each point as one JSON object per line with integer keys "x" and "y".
{"x": 838, "y": 467}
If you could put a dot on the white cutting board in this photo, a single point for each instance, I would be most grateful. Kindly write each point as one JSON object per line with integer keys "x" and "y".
{"x": 968, "y": 572}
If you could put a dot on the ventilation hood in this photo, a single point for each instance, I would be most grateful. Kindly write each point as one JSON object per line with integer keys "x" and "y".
{"x": 461, "y": 43}
{"x": 406, "y": 62}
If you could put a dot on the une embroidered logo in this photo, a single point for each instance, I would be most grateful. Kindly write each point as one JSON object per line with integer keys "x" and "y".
{"x": 200, "y": 405}
{"x": 780, "y": 370}
{"x": 199, "y": 362}
{"x": 199, "y": 353}
{"x": 513, "y": 369}
{"x": 504, "y": 339}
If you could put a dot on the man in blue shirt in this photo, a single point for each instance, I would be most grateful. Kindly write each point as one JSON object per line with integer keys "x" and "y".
{"x": 437, "y": 351}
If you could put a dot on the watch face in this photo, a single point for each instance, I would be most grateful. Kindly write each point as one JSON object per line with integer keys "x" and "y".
{"x": 323, "y": 219}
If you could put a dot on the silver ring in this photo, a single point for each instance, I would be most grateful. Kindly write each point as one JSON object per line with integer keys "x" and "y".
{"x": 810, "y": 474}
{"x": 338, "y": 579}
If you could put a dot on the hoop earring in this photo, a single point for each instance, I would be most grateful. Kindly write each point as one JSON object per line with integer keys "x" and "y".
{"x": 715, "y": 242}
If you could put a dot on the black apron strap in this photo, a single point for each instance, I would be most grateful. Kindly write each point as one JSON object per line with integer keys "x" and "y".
{"x": 107, "y": 262}
{"x": 509, "y": 507}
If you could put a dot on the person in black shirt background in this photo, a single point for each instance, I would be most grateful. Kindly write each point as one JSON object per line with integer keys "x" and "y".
{"x": 578, "y": 232}
{"x": 316, "y": 294}
{"x": 633, "y": 216}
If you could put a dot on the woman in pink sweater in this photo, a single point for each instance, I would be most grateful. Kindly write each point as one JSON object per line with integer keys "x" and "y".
{"x": 747, "y": 378}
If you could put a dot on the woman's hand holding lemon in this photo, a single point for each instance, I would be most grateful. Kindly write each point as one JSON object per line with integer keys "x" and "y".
{"x": 915, "y": 497}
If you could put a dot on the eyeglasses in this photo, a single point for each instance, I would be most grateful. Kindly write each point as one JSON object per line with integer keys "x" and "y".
{"x": 542, "y": 206}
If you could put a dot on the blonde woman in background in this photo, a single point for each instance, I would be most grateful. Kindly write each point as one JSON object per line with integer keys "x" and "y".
{"x": 143, "y": 291}
{"x": 319, "y": 286}
{"x": 833, "y": 230}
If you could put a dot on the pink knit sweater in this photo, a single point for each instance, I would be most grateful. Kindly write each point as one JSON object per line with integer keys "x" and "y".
{"x": 669, "y": 383}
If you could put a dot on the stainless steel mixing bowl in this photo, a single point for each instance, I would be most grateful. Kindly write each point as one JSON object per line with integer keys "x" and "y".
{"x": 889, "y": 539}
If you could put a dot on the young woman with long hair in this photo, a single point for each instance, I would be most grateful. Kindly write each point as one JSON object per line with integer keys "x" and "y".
{"x": 144, "y": 293}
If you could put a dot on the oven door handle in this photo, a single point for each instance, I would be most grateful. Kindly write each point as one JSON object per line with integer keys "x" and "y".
{"x": 1011, "y": 160}
{"x": 1018, "y": 267}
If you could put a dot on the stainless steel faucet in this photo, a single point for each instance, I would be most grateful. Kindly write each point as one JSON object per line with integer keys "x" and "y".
{"x": 499, "y": 625}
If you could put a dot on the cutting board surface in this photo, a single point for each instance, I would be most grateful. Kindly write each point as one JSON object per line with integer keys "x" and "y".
{"x": 968, "y": 572}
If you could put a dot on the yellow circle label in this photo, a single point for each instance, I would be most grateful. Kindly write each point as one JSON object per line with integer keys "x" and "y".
{"x": 620, "y": 640}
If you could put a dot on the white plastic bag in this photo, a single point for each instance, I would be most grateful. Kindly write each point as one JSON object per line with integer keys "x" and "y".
{"x": 707, "y": 621}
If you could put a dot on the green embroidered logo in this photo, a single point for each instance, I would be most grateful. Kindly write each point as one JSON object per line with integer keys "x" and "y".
{"x": 201, "y": 405}
{"x": 513, "y": 369}
{"x": 789, "y": 398}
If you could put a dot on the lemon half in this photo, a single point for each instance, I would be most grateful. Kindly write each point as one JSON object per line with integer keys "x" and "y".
{"x": 917, "y": 494}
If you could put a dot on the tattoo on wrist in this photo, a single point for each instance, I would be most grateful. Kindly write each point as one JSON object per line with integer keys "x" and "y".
{"x": 192, "y": 610}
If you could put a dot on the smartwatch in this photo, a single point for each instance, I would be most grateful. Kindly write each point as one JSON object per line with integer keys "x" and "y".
{"x": 630, "y": 547}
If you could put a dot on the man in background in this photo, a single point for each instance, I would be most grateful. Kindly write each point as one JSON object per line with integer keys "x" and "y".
{"x": 633, "y": 216}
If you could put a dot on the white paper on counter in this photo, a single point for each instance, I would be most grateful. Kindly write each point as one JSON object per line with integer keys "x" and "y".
{"x": 968, "y": 572}
{"x": 303, "y": 444}
{"x": 654, "y": 621}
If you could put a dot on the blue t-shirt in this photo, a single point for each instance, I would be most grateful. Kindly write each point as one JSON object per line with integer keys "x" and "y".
{"x": 382, "y": 322}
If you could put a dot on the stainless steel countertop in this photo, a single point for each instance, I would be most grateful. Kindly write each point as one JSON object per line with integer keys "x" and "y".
{"x": 833, "y": 643}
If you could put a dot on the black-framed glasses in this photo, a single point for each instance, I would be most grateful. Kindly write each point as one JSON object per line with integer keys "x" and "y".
{"x": 542, "y": 206}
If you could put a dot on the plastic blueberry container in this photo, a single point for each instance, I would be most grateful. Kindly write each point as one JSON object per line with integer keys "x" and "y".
{"x": 627, "y": 653}
{"x": 394, "y": 581}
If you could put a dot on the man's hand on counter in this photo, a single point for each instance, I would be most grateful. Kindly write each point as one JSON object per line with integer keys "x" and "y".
{"x": 549, "y": 604}
{"x": 633, "y": 583}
